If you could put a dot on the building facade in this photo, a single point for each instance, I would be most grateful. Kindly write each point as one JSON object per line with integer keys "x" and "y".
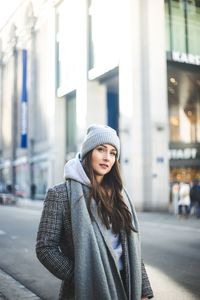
{"x": 183, "y": 71}
{"x": 67, "y": 64}
{"x": 27, "y": 100}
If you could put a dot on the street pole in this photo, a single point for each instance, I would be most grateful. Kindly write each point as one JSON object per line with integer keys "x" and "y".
{"x": 30, "y": 43}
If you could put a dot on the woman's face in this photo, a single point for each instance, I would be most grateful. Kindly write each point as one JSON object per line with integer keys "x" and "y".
{"x": 103, "y": 158}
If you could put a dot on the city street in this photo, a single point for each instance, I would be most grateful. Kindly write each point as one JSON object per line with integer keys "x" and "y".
{"x": 170, "y": 250}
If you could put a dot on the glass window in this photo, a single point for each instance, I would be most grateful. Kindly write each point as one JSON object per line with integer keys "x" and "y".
{"x": 40, "y": 174}
{"x": 67, "y": 45}
{"x": 40, "y": 104}
{"x": 182, "y": 23}
{"x": 178, "y": 26}
{"x": 104, "y": 28}
{"x": 167, "y": 25}
{"x": 5, "y": 179}
{"x": 22, "y": 181}
{"x": 193, "y": 22}
{"x": 71, "y": 124}
{"x": 184, "y": 105}
{"x": 7, "y": 108}
{"x": 182, "y": 174}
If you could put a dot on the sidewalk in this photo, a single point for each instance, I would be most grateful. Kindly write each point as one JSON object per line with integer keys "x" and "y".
{"x": 29, "y": 203}
{"x": 165, "y": 288}
{"x": 169, "y": 219}
{"x": 12, "y": 289}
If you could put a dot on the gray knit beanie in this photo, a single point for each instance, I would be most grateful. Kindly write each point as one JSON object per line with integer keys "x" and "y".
{"x": 97, "y": 135}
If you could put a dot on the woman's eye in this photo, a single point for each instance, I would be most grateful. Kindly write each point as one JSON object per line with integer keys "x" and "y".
{"x": 113, "y": 153}
{"x": 100, "y": 149}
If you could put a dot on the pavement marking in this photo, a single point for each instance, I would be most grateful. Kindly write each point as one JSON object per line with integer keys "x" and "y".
{"x": 11, "y": 289}
{"x": 2, "y": 232}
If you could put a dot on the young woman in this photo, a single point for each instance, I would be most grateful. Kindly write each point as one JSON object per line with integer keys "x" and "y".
{"x": 88, "y": 234}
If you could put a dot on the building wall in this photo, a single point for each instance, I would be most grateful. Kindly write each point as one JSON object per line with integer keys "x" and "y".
{"x": 31, "y": 28}
{"x": 183, "y": 72}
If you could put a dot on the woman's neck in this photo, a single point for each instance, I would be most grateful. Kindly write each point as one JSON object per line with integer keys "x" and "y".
{"x": 99, "y": 179}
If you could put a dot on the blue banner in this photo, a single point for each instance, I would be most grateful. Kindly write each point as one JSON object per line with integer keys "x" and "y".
{"x": 24, "y": 102}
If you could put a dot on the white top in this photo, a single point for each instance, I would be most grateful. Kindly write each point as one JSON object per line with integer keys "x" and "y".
{"x": 184, "y": 194}
{"x": 117, "y": 247}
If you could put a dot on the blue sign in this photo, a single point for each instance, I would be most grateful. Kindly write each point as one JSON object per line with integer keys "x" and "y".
{"x": 24, "y": 102}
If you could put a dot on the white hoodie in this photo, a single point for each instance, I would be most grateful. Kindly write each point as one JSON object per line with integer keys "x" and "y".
{"x": 74, "y": 170}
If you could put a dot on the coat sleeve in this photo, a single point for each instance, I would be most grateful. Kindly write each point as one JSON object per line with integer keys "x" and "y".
{"x": 49, "y": 235}
{"x": 146, "y": 287}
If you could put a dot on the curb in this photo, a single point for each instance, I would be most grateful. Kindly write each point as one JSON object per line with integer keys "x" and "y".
{"x": 11, "y": 289}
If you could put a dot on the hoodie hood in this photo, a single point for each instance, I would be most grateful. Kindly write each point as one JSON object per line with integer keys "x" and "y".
{"x": 74, "y": 170}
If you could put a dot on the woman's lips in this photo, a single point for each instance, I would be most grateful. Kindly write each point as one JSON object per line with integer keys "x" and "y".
{"x": 104, "y": 166}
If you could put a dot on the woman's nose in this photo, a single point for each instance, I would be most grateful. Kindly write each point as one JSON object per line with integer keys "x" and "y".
{"x": 106, "y": 156}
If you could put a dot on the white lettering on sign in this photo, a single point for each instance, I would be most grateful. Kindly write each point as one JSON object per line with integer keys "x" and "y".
{"x": 186, "y": 58}
{"x": 187, "y": 153}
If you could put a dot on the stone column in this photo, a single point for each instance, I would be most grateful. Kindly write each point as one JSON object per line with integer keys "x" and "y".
{"x": 130, "y": 101}
{"x": 143, "y": 103}
{"x": 155, "y": 105}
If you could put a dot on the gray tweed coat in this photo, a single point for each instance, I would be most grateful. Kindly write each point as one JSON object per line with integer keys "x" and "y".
{"x": 55, "y": 247}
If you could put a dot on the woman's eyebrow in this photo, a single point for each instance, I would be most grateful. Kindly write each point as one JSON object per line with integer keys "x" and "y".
{"x": 113, "y": 149}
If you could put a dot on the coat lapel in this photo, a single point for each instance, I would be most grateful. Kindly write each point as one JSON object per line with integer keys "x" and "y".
{"x": 125, "y": 257}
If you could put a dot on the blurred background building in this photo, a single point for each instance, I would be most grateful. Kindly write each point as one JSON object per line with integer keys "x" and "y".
{"x": 130, "y": 64}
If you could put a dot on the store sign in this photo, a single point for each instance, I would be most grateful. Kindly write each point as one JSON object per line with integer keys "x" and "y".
{"x": 186, "y": 58}
{"x": 187, "y": 153}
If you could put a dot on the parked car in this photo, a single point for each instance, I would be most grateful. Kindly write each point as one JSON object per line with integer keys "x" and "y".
{"x": 6, "y": 198}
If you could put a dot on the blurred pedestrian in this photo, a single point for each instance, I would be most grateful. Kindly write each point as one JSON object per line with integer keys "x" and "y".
{"x": 88, "y": 234}
{"x": 33, "y": 190}
{"x": 184, "y": 200}
{"x": 175, "y": 197}
{"x": 195, "y": 198}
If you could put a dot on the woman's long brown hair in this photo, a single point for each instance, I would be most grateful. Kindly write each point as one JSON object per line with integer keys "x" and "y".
{"x": 108, "y": 196}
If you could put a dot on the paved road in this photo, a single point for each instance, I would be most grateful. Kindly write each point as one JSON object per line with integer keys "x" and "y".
{"x": 170, "y": 250}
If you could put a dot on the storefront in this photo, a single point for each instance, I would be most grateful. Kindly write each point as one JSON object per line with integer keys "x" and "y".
{"x": 22, "y": 186}
{"x": 184, "y": 120}
{"x": 40, "y": 170}
{"x": 5, "y": 177}
{"x": 184, "y": 162}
